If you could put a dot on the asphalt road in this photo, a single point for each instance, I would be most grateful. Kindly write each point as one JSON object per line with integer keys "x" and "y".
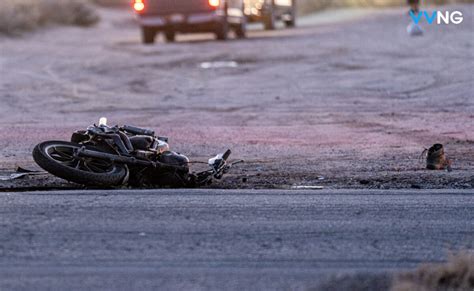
{"x": 222, "y": 239}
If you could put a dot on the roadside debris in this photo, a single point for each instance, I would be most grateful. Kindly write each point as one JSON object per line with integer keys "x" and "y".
{"x": 436, "y": 158}
{"x": 219, "y": 65}
{"x": 25, "y": 170}
{"x": 12, "y": 176}
{"x": 414, "y": 29}
{"x": 308, "y": 187}
{"x": 108, "y": 156}
{"x": 20, "y": 173}
{"x": 364, "y": 182}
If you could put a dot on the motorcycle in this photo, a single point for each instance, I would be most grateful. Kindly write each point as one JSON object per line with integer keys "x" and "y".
{"x": 108, "y": 156}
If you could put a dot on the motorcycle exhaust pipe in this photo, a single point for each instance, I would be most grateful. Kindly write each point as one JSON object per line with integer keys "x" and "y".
{"x": 83, "y": 152}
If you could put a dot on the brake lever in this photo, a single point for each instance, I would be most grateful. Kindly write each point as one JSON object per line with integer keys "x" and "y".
{"x": 237, "y": 162}
{"x": 223, "y": 169}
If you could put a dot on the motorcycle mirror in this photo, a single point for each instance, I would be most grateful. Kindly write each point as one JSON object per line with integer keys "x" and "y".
{"x": 212, "y": 161}
{"x": 103, "y": 121}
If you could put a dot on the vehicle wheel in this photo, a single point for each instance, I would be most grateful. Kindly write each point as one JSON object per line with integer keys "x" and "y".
{"x": 222, "y": 30}
{"x": 241, "y": 28}
{"x": 170, "y": 35}
{"x": 57, "y": 157}
{"x": 269, "y": 20}
{"x": 292, "y": 21}
{"x": 148, "y": 35}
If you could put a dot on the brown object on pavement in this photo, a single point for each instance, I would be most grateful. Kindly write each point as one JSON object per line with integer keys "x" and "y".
{"x": 436, "y": 159}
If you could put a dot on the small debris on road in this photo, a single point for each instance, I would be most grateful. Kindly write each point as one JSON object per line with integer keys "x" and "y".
{"x": 12, "y": 176}
{"x": 219, "y": 64}
{"x": 20, "y": 173}
{"x": 364, "y": 182}
{"x": 311, "y": 187}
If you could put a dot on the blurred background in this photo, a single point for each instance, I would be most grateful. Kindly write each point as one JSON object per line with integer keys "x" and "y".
{"x": 308, "y": 6}
{"x": 17, "y": 16}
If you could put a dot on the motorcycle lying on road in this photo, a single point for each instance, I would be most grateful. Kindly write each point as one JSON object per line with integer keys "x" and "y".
{"x": 111, "y": 156}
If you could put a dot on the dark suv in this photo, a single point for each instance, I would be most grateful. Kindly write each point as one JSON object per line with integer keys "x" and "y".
{"x": 188, "y": 16}
{"x": 270, "y": 11}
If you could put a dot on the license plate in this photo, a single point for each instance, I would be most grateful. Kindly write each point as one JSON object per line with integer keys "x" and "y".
{"x": 176, "y": 18}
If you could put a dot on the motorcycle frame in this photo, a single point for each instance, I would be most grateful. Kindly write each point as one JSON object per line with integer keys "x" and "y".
{"x": 83, "y": 152}
{"x": 125, "y": 148}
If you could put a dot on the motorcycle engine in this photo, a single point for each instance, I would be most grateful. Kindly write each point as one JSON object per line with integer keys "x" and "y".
{"x": 173, "y": 158}
{"x": 172, "y": 178}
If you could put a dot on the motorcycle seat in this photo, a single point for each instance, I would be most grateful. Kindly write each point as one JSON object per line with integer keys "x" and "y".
{"x": 141, "y": 142}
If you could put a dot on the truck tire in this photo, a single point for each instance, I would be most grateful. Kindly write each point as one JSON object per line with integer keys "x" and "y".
{"x": 222, "y": 30}
{"x": 241, "y": 28}
{"x": 57, "y": 158}
{"x": 148, "y": 35}
{"x": 170, "y": 35}
{"x": 269, "y": 20}
{"x": 292, "y": 21}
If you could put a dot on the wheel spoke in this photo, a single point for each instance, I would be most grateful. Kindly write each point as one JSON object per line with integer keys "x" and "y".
{"x": 100, "y": 163}
{"x": 61, "y": 153}
{"x": 71, "y": 163}
{"x": 87, "y": 167}
{"x": 78, "y": 166}
{"x": 96, "y": 169}
{"x": 64, "y": 154}
{"x": 61, "y": 158}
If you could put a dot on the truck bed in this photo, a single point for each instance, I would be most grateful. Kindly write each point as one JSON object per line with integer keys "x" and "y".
{"x": 164, "y": 7}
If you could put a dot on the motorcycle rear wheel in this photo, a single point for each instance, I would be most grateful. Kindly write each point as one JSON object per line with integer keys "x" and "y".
{"x": 57, "y": 158}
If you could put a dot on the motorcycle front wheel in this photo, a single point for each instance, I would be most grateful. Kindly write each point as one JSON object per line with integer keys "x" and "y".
{"x": 57, "y": 157}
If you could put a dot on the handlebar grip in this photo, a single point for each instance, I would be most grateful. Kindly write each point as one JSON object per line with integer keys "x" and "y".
{"x": 226, "y": 155}
{"x": 138, "y": 130}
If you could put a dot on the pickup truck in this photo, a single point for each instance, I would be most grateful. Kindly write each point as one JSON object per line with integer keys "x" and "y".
{"x": 188, "y": 16}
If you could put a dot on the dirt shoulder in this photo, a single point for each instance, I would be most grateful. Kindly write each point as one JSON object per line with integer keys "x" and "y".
{"x": 353, "y": 102}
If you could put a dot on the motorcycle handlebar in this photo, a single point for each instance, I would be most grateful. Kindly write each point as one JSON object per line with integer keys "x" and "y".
{"x": 226, "y": 155}
{"x": 138, "y": 130}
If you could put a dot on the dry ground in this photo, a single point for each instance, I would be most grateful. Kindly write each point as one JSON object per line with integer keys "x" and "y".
{"x": 354, "y": 102}
{"x": 19, "y": 16}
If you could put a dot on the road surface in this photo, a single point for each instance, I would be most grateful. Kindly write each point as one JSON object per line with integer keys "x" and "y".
{"x": 354, "y": 101}
{"x": 223, "y": 239}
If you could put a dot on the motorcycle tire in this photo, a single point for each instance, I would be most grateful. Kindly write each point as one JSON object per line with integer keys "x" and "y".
{"x": 56, "y": 157}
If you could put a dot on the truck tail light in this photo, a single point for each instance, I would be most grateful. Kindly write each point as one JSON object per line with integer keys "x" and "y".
{"x": 138, "y": 5}
{"x": 214, "y": 3}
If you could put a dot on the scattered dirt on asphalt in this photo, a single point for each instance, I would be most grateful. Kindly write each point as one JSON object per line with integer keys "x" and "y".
{"x": 354, "y": 102}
